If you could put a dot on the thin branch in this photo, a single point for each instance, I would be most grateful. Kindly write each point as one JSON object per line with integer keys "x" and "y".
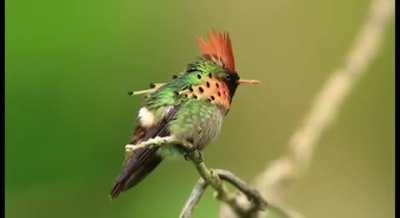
{"x": 273, "y": 182}
{"x": 215, "y": 178}
{"x": 252, "y": 195}
{"x": 251, "y": 212}
{"x": 194, "y": 198}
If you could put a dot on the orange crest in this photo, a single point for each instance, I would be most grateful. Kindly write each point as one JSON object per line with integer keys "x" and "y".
{"x": 218, "y": 49}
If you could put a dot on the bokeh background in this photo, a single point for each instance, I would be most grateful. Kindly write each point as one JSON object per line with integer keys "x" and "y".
{"x": 70, "y": 64}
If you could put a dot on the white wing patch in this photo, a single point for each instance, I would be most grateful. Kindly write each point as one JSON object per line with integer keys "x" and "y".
{"x": 146, "y": 118}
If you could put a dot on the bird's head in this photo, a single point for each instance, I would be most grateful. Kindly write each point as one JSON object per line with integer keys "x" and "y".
{"x": 218, "y": 49}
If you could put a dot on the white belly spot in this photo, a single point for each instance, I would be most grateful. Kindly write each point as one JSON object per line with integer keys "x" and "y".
{"x": 146, "y": 118}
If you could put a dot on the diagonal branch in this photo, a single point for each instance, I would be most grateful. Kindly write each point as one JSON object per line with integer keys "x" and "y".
{"x": 278, "y": 175}
{"x": 194, "y": 198}
{"x": 215, "y": 178}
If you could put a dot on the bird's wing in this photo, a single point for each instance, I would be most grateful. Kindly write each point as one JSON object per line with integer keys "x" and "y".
{"x": 162, "y": 105}
{"x": 142, "y": 161}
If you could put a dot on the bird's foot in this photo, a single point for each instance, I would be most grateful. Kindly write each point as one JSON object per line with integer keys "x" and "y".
{"x": 188, "y": 145}
{"x": 187, "y": 148}
{"x": 193, "y": 155}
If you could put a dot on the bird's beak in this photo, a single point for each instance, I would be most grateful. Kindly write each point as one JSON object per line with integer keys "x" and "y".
{"x": 249, "y": 81}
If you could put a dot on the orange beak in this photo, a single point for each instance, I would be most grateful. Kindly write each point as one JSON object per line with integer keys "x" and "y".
{"x": 249, "y": 81}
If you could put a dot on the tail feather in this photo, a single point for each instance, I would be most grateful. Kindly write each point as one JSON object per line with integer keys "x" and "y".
{"x": 117, "y": 189}
{"x": 137, "y": 168}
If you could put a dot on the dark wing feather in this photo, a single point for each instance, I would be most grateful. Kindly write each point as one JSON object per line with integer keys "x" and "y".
{"x": 144, "y": 160}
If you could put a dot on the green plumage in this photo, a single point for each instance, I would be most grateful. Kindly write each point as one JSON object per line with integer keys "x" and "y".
{"x": 184, "y": 114}
{"x": 196, "y": 120}
{"x": 169, "y": 93}
{"x": 180, "y": 109}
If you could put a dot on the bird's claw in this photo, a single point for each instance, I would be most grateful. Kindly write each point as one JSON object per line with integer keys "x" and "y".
{"x": 193, "y": 154}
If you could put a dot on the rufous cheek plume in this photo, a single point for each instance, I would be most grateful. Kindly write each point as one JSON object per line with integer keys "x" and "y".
{"x": 218, "y": 48}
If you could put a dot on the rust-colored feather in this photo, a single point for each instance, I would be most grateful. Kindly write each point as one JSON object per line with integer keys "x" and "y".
{"x": 219, "y": 49}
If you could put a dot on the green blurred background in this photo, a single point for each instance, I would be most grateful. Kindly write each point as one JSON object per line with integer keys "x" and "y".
{"x": 69, "y": 65}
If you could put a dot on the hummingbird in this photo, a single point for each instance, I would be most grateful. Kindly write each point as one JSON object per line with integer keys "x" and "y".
{"x": 185, "y": 113}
